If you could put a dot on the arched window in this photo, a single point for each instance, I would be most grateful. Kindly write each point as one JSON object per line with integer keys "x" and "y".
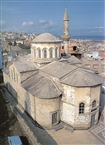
{"x": 94, "y": 103}
{"x": 13, "y": 73}
{"x": 56, "y": 52}
{"x": 45, "y": 53}
{"x": 39, "y": 53}
{"x": 34, "y": 53}
{"x": 81, "y": 108}
{"x": 17, "y": 78}
{"x": 51, "y": 53}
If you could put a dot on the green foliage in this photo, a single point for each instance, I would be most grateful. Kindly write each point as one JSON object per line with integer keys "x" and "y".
{"x": 10, "y": 43}
{"x": 5, "y": 51}
{"x": 23, "y": 46}
{"x": 15, "y": 43}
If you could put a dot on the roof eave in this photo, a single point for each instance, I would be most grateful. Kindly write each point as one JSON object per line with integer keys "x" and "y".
{"x": 81, "y": 85}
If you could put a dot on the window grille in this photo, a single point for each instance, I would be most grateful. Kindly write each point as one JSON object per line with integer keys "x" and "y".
{"x": 81, "y": 108}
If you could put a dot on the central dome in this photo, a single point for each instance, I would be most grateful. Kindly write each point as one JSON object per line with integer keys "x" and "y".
{"x": 46, "y": 37}
{"x": 45, "y": 48}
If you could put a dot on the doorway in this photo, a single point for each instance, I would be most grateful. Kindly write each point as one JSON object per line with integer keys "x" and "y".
{"x": 92, "y": 119}
{"x": 54, "y": 118}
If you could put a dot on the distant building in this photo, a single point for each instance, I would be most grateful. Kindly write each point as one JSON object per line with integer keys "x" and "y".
{"x": 94, "y": 55}
{"x": 102, "y": 54}
{"x": 19, "y": 41}
{"x": 1, "y": 57}
{"x": 97, "y": 65}
{"x": 73, "y": 49}
{"x": 26, "y": 42}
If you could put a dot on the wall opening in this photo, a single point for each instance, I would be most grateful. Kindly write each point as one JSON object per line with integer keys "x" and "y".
{"x": 51, "y": 53}
{"x": 45, "y": 53}
{"x": 94, "y": 103}
{"x": 92, "y": 119}
{"x": 81, "y": 108}
{"x": 54, "y": 118}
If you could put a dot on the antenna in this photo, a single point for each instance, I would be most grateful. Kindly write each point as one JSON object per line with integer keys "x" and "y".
{"x": 66, "y": 6}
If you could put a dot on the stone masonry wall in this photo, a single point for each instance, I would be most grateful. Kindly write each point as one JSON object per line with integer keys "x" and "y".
{"x": 19, "y": 77}
{"x": 71, "y": 99}
{"x": 44, "y": 110}
{"x": 24, "y": 98}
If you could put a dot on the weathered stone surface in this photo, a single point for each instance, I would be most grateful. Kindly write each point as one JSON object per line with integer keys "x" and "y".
{"x": 48, "y": 101}
{"x": 71, "y": 99}
{"x": 44, "y": 110}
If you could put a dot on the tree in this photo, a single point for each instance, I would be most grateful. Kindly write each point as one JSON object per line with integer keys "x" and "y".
{"x": 10, "y": 43}
{"x": 15, "y": 43}
{"x": 23, "y": 46}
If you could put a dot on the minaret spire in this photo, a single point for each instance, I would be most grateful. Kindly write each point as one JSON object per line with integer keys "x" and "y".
{"x": 66, "y": 35}
{"x": 66, "y": 17}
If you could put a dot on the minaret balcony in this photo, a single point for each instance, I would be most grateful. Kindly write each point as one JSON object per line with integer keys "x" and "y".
{"x": 65, "y": 37}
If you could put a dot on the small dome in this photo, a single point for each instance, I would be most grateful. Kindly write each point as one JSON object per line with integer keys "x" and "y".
{"x": 46, "y": 37}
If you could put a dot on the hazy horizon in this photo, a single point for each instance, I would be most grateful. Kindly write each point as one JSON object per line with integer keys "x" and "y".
{"x": 86, "y": 18}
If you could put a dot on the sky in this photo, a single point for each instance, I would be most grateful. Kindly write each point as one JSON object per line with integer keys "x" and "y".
{"x": 86, "y": 17}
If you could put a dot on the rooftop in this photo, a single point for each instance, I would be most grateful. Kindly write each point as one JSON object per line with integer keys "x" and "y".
{"x": 74, "y": 60}
{"x": 58, "y": 69}
{"x": 25, "y": 64}
{"x": 41, "y": 86}
{"x": 82, "y": 78}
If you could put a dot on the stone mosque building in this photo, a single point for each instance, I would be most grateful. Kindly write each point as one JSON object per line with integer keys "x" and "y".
{"x": 51, "y": 89}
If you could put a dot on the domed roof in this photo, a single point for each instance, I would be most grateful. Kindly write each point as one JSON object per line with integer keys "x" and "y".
{"x": 46, "y": 37}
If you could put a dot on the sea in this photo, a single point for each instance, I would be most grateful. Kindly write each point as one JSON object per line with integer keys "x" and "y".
{"x": 94, "y": 38}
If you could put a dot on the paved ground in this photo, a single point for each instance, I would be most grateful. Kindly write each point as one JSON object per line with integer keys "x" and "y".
{"x": 93, "y": 136}
{"x": 99, "y": 132}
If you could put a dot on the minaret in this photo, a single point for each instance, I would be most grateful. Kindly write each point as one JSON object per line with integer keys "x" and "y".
{"x": 66, "y": 35}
